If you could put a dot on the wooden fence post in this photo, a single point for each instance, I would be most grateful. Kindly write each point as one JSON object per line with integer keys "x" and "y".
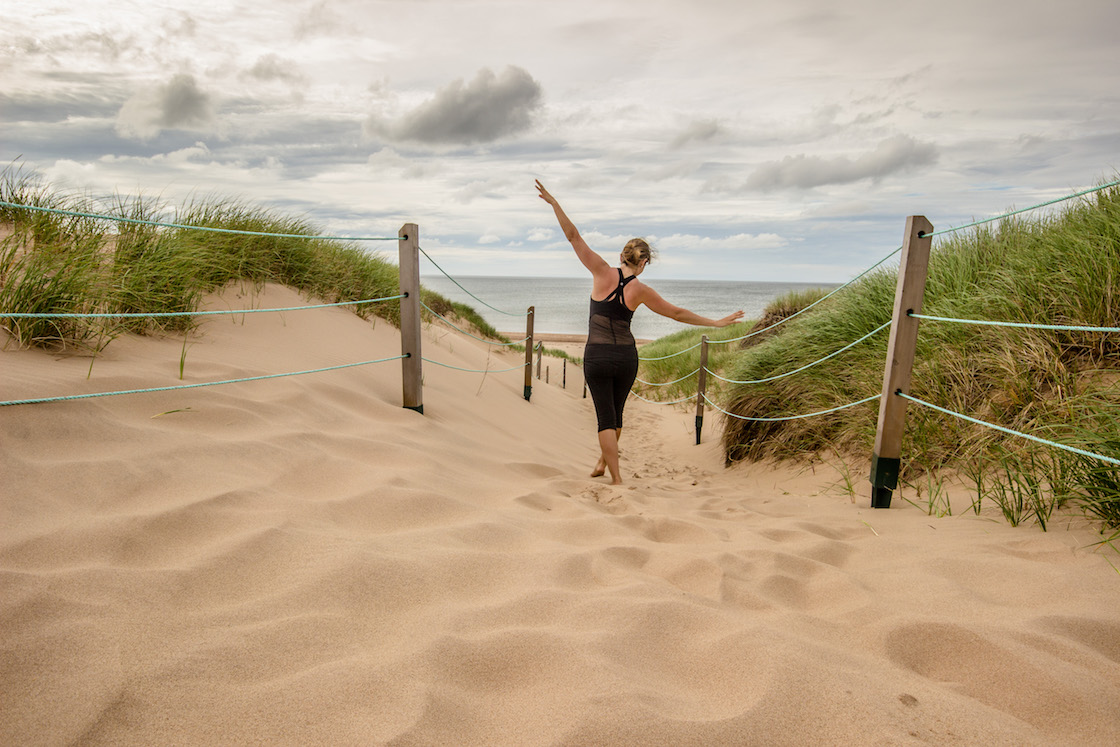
{"x": 529, "y": 354}
{"x": 701, "y": 386}
{"x": 564, "y": 372}
{"x": 540, "y": 354}
{"x": 408, "y": 246}
{"x": 886, "y": 459}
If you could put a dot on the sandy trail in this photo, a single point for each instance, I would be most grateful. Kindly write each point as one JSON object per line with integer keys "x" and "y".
{"x": 302, "y": 561}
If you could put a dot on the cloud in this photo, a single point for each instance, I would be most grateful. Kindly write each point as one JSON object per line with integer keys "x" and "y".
{"x": 895, "y": 154}
{"x": 541, "y": 234}
{"x": 704, "y": 130}
{"x": 481, "y": 111}
{"x": 272, "y": 67}
{"x": 738, "y": 242}
{"x": 178, "y": 105}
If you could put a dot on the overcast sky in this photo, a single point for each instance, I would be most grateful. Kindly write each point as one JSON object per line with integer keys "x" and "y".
{"x": 748, "y": 140}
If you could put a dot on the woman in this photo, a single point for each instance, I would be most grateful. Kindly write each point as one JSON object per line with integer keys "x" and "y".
{"x": 610, "y": 359}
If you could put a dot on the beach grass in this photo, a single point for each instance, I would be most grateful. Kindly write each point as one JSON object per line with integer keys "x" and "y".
{"x": 61, "y": 264}
{"x": 1059, "y": 268}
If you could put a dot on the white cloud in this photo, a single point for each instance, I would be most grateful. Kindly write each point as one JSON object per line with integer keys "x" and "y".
{"x": 736, "y": 242}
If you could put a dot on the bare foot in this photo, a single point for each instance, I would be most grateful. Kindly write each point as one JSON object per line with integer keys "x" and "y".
{"x": 597, "y": 472}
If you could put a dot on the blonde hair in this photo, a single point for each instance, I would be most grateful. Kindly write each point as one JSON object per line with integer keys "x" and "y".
{"x": 635, "y": 251}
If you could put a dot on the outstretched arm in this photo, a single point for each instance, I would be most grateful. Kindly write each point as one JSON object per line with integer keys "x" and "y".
{"x": 592, "y": 261}
{"x": 656, "y": 303}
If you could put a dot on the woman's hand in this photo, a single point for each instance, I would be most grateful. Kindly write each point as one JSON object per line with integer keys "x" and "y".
{"x": 544, "y": 195}
{"x": 730, "y": 319}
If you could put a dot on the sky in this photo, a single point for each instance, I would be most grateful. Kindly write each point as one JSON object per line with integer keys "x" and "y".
{"x": 748, "y": 141}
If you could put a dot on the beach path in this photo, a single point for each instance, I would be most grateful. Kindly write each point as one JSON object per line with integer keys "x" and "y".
{"x": 302, "y": 561}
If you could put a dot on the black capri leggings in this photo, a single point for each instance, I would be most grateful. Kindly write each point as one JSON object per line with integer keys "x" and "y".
{"x": 609, "y": 371}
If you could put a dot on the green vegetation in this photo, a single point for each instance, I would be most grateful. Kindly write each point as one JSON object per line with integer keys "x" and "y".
{"x": 1059, "y": 269}
{"x": 679, "y": 367}
{"x": 52, "y": 263}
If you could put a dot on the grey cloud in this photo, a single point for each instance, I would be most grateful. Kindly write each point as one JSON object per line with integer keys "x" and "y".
{"x": 273, "y": 67}
{"x": 179, "y": 104}
{"x": 481, "y": 111}
{"x": 892, "y": 155}
{"x": 702, "y": 131}
{"x": 38, "y": 107}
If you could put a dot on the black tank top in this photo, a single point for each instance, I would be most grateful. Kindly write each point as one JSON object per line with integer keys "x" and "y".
{"x": 610, "y": 318}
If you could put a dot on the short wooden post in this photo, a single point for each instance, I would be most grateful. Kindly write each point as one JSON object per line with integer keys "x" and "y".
{"x": 540, "y": 354}
{"x": 701, "y": 387}
{"x": 408, "y": 246}
{"x": 886, "y": 459}
{"x": 547, "y": 371}
{"x": 564, "y": 372}
{"x": 529, "y": 354}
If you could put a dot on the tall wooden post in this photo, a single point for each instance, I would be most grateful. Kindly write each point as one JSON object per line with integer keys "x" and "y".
{"x": 887, "y": 456}
{"x": 564, "y": 374}
{"x": 412, "y": 375}
{"x": 701, "y": 387}
{"x": 529, "y": 354}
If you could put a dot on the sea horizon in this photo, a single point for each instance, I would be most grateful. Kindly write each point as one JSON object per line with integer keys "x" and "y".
{"x": 561, "y": 303}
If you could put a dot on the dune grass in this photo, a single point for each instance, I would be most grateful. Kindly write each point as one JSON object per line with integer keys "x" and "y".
{"x": 1062, "y": 268}
{"x": 59, "y": 264}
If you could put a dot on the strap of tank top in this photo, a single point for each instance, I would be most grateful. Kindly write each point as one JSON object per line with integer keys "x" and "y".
{"x": 617, "y": 292}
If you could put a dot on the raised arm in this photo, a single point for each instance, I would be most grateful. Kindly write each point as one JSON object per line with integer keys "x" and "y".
{"x": 656, "y": 303}
{"x": 593, "y": 262}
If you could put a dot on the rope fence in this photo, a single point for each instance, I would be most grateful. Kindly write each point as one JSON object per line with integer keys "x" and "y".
{"x": 1019, "y": 325}
{"x": 909, "y": 295}
{"x": 409, "y": 297}
{"x": 1004, "y": 216}
{"x": 468, "y": 334}
{"x": 184, "y": 226}
{"x": 899, "y": 359}
{"x": 95, "y": 395}
{"x": 168, "y": 314}
{"x": 456, "y": 282}
{"x": 1010, "y": 431}
{"x": 886, "y": 455}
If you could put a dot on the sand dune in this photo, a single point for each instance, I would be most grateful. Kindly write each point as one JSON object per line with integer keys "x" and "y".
{"x": 302, "y": 561}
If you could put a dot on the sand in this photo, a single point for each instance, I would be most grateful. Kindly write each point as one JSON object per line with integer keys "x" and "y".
{"x": 302, "y": 561}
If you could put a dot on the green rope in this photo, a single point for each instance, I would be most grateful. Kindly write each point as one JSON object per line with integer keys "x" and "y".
{"x": 1011, "y": 432}
{"x": 1025, "y": 210}
{"x": 453, "y": 280}
{"x": 655, "y": 402}
{"x": 802, "y": 311}
{"x": 475, "y": 370}
{"x": 136, "y": 221}
{"x": 672, "y": 355}
{"x": 191, "y": 386}
{"x": 1021, "y": 325}
{"x": 162, "y": 314}
{"x": 791, "y": 417}
{"x": 670, "y": 383}
{"x": 810, "y": 365}
{"x": 468, "y": 334}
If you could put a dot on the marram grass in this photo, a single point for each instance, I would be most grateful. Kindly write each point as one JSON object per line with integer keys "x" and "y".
{"x": 1063, "y": 268}
{"x": 55, "y": 264}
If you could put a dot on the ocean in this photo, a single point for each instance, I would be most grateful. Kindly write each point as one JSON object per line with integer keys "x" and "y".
{"x": 561, "y": 304}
